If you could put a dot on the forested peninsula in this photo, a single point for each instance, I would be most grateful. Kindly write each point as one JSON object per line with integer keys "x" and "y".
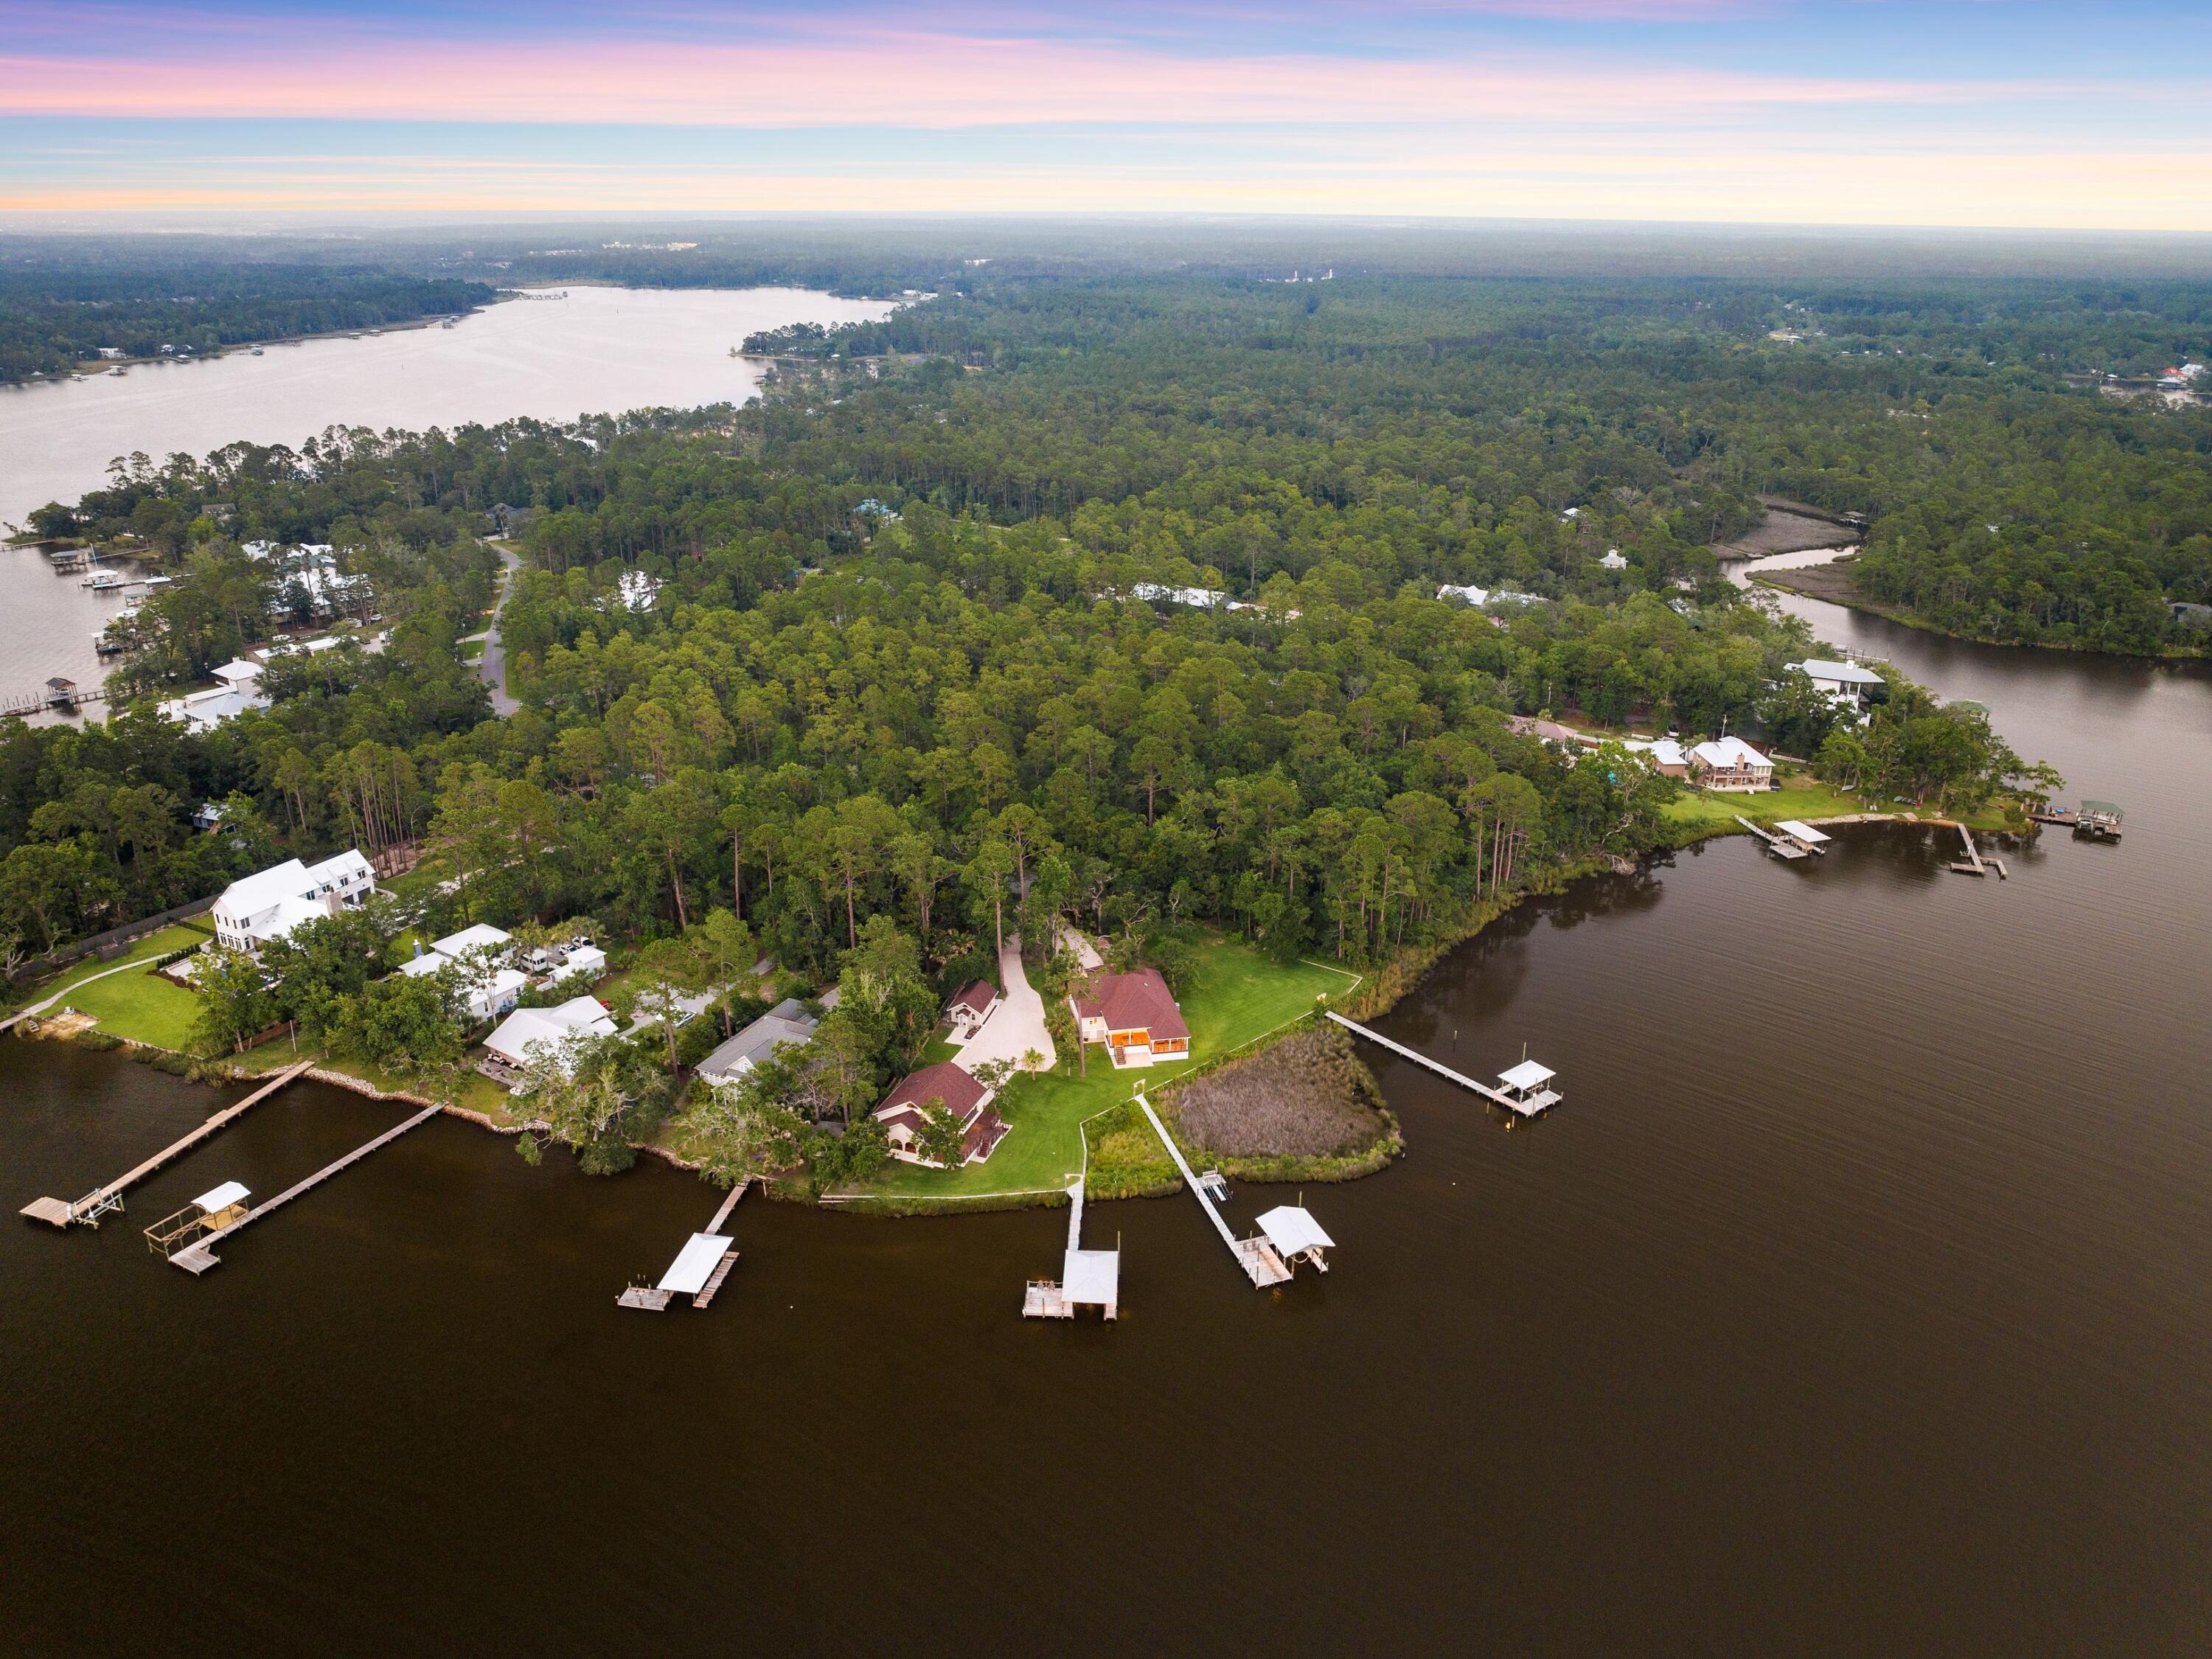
{"x": 60, "y": 319}
{"x": 1111, "y": 604}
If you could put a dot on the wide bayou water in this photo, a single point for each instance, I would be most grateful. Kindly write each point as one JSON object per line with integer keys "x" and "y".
{"x": 594, "y": 349}
{"x": 1853, "y": 1302}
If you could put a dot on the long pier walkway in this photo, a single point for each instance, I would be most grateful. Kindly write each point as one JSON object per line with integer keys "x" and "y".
{"x": 1260, "y": 1263}
{"x": 198, "y": 1258}
{"x": 102, "y": 1199}
{"x": 1519, "y": 1108}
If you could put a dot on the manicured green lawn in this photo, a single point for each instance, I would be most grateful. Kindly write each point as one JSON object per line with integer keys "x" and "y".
{"x": 1801, "y": 796}
{"x": 141, "y": 1007}
{"x": 146, "y": 950}
{"x": 1237, "y": 994}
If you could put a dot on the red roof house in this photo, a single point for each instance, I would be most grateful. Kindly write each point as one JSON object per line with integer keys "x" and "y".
{"x": 1134, "y": 1015}
{"x": 971, "y": 1007}
{"x": 964, "y": 1099}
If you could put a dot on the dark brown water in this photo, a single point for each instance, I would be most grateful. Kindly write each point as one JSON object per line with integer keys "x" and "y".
{"x": 1854, "y": 1303}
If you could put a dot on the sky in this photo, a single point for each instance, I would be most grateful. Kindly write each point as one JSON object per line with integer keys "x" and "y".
{"x": 2022, "y": 113}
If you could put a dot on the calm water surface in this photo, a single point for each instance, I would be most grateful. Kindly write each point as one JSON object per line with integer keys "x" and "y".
{"x": 598, "y": 349}
{"x": 1853, "y": 1303}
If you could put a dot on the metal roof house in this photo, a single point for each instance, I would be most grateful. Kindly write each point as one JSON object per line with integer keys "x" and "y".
{"x": 784, "y": 1026}
{"x": 1840, "y": 681}
{"x": 256, "y": 909}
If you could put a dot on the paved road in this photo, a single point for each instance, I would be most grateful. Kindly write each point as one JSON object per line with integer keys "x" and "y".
{"x": 491, "y": 667}
{"x": 1017, "y": 1024}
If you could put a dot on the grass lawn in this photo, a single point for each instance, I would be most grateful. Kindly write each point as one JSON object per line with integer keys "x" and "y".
{"x": 146, "y": 950}
{"x": 141, "y": 1007}
{"x": 1238, "y": 994}
{"x": 1801, "y": 796}
{"x": 478, "y": 1093}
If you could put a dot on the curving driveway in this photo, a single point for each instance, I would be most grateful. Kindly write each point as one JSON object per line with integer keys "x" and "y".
{"x": 492, "y": 665}
{"x": 1017, "y": 1024}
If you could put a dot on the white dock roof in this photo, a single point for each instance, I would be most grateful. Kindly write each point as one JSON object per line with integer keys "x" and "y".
{"x": 1527, "y": 1075}
{"x": 1092, "y": 1278}
{"x": 694, "y": 1263}
{"x": 1804, "y": 832}
{"x": 222, "y": 1197}
{"x": 1292, "y": 1230}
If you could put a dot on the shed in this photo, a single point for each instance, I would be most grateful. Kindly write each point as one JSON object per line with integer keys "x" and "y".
{"x": 694, "y": 1263}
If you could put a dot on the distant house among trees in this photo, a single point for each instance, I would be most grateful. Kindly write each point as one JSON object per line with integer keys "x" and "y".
{"x": 531, "y": 1034}
{"x": 1844, "y": 683}
{"x": 785, "y": 1025}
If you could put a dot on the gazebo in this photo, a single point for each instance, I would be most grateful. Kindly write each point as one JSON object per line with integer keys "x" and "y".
{"x": 1524, "y": 1090}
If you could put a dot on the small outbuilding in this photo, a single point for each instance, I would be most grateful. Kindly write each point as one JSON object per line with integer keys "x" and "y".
{"x": 970, "y": 1009}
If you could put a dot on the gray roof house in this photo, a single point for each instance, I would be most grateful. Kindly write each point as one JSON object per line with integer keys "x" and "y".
{"x": 784, "y": 1025}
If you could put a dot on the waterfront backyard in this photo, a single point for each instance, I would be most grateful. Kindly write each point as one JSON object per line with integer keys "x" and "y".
{"x": 1236, "y": 995}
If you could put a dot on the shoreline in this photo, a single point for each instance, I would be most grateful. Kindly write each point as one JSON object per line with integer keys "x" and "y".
{"x": 1832, "y": 585}
{"x": 107, "y": 365}
{"x": 1381, "y": 991}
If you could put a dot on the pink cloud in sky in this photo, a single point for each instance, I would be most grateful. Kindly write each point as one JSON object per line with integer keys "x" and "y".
{"x": 926, "y": 80}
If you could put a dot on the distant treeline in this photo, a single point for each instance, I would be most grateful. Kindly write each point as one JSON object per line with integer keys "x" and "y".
{"x": 54, "y": 317}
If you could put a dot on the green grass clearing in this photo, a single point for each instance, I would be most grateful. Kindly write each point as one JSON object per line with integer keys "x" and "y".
{"x": 1801, "y": 796}
{"x": 175, "y": 937}
{"x": 141, "y": 1007}
{"x": 1237, "y": 994}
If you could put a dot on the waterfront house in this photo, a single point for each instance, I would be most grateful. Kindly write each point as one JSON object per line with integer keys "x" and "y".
{"x": 1727, "y": 764}
{"x": 970, "y": 1009}
{"x": 477, "y": 957}
{"x": 1844, "y": 683}
{"x": 203, "y": 711}
{"x": 785, "y": 1025}
{"x": 528, "y": 1033}
{"x": 1134, "y": 1015}
{"x": 961, "y": 1096}
{"x": 256, "y": 909}
{"x": 1663, "y": 755}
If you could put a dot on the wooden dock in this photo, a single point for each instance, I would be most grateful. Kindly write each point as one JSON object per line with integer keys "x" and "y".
{"x": 197, "y": 1259}
{"x": 1528, "y": 1107}
{"x": 1973, "y": 864}
{"x": 1260, "y": 1263}
{"x": 103, "y": 1200}
{"x": 694, "y": 1273}
{"x": 1781, "y": 846}
{"x": 1089, "y": 1278}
